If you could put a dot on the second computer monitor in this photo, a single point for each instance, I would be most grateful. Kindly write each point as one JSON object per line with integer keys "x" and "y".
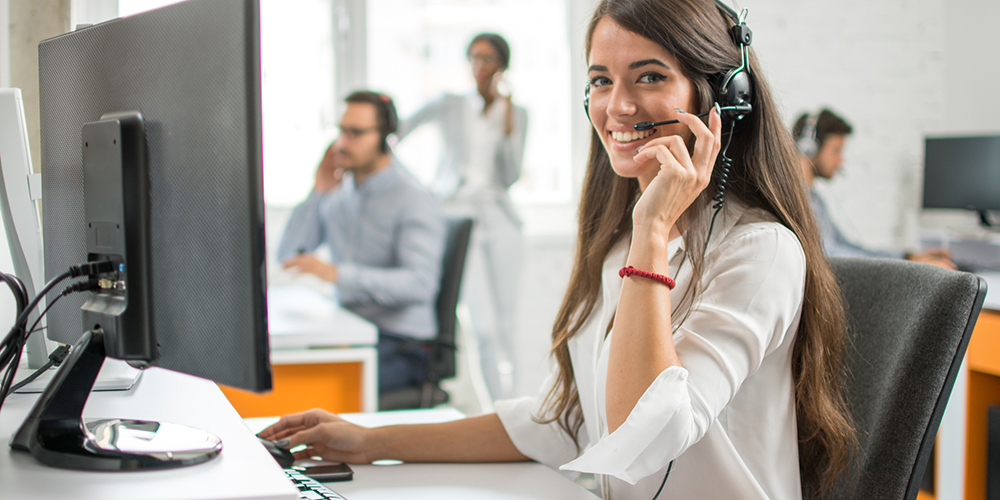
{"x": 962, "y": 172}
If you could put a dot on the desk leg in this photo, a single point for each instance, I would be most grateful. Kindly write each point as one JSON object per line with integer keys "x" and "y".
{"x": 369, "y": 380}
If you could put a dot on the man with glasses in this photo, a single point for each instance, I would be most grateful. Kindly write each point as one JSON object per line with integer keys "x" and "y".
{"x": 385, "y": 233}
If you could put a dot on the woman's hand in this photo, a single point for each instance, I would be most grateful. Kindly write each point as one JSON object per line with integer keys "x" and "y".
{"x": 682, "y": 176}
{"x": 500, "y": 90}
{"x": 325, "y": 435}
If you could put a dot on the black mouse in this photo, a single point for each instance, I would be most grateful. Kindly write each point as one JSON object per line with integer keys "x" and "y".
{"x": 284, "y": 457}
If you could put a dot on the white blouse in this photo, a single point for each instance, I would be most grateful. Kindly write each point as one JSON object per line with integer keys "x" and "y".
{"x": 727, "y": 417}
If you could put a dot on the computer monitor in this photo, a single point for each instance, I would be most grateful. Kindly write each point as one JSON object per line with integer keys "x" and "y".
{"x": 962, "y": 172}
{"x": 18, "y": 209}
{"x": 151, "y": 160}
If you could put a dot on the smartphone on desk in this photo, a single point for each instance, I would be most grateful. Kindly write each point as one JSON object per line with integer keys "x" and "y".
{"x": 324, "y": 471}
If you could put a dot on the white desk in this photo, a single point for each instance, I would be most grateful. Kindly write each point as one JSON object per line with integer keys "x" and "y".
{"x": 308, "y": 328}
{"x": 299, "y": 317}
{"x": 243, "y": 469}
{"x": 507, "y": 481}
{"x": 514, "y": 481}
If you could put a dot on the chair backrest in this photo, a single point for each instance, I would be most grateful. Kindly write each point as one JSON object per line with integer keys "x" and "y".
{"x": 456, "y": 247}
{"x": 910, "y": 325}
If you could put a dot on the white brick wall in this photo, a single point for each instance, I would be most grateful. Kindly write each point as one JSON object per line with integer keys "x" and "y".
{"x": 881, "y": 66}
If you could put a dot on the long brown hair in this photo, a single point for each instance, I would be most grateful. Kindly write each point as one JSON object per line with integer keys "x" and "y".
{"x": 765, "y": 174}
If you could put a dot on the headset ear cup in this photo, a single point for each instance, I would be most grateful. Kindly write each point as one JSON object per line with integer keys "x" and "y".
{"x": 808, "y": 142}
{"x": 807, "y": 147}
{"x": 735, "y": 89}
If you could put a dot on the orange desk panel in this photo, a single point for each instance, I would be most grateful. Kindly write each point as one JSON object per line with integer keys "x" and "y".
{"x": 984, "y": 390}
{"x": 334, "y": 387}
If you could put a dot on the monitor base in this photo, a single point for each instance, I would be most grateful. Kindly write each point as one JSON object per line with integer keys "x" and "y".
{"x": 55, "y": 434}
{"x": 984, "y": 219}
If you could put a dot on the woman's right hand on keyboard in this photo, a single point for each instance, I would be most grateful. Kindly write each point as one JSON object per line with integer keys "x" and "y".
{"x": 325, "y": 435}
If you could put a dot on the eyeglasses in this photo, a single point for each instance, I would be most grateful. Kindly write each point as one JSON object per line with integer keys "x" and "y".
{"x": 353, "y": 133}
{"x": 483, "y": 59}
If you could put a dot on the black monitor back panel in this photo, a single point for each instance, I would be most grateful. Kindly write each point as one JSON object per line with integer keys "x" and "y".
{"x": 193, "y": 71}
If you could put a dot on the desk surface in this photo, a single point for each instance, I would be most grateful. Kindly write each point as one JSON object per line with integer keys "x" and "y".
{"x": 299, "y": 317}
{"x": 243, "y": 469}
{"x": 514, "y": 481}
{"x": 395, "y": 481}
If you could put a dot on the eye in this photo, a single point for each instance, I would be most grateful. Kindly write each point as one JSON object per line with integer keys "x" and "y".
{"x": 651, "y": 78}
{"x": 599, "y": 81}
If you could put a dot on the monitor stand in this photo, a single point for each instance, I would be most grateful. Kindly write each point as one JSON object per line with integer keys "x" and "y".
{"x": 984, "y": 219}
{"x": 56, "y": 435}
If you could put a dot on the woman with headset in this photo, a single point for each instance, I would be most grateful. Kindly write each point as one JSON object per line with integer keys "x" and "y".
{"x": 484, "y": 134}
{"x": 700, "y": 342}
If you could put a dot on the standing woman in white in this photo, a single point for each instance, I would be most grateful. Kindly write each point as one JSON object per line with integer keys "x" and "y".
{"x": 727, "y": 385}
{"x": 483, "y": 134}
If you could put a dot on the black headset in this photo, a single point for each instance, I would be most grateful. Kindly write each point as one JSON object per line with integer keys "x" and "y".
{"x": 733, "y": 89}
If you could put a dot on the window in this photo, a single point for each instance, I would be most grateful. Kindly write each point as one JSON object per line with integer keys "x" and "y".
{"x": 298, "y": 103}
{"x": 416, "y": 50}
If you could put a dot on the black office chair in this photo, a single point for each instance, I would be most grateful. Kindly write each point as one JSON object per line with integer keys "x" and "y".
{"x": 910, "y": 325}
{"x": 440, "y": 350}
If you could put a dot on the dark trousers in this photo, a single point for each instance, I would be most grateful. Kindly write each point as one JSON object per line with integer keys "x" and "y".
{"x": 402, "y": 362}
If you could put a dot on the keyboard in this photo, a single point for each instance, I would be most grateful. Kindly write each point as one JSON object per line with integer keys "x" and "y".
{"x": 310, "y": 488}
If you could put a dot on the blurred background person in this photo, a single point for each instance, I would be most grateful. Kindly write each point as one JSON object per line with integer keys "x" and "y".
{"x": 484, "y": 134}
{"x": 821, "y": 138}
{"x": 385, "y": 232}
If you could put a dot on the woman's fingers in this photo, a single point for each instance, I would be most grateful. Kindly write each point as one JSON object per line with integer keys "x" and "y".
{"x": 708, "y": 138}
{"x": 281, "y": 434}
{"x": 286, "y": 425}
{"x": 666, "y": 150}
{"x": 295, "y": 422}
{"x": 339, "y": 441}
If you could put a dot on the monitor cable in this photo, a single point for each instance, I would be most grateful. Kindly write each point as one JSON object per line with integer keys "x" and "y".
{"x": 12, "y": 345}
{"x": 59, "y": 354}
{"x": 55, "y": 359}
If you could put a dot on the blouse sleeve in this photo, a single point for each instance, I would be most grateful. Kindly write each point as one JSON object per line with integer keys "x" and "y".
{"x": 753, "y": 293}
{"x": 545, "y": 443}
{"x": 432, "y": 111}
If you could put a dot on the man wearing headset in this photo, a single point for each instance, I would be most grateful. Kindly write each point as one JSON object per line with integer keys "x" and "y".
{"x": 821, "y": 138}
{"x": 385, "y": 232}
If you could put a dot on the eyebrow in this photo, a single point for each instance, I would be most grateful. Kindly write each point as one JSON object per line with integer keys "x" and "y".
{"x": 635, "y": 65}
{"x": 639, "y": 64}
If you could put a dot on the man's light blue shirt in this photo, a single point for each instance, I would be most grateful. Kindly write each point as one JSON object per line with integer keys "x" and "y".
{"x": 386, "y": 238}
{"x": 834, "y": 242}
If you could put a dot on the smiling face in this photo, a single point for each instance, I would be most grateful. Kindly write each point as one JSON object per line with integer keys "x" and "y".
{"x": 634, "y": 79}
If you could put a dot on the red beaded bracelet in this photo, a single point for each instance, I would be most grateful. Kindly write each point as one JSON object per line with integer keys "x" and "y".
{"x": 631, "y": 271}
